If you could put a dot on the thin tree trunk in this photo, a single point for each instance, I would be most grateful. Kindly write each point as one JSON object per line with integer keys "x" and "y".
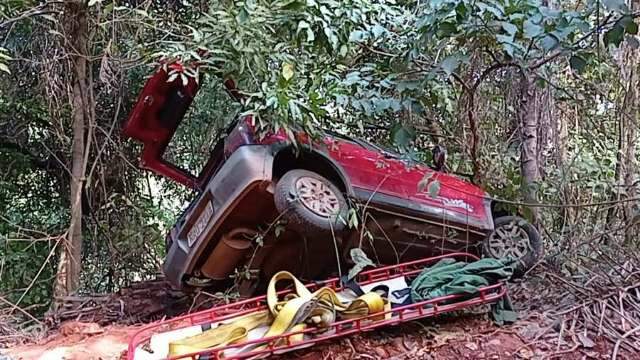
{"x": 630, "y": 114}
{"x": 528, "y": 119}
{"x": 631, "y": 211}
{"x": 545, "y": 105}
{"x": 618, "y": 174}
{"x": 70, "y": 265}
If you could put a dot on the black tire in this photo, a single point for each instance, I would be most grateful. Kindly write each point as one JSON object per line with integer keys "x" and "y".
{"x": 531, "y": 252}
{"x": 301, "y": 218}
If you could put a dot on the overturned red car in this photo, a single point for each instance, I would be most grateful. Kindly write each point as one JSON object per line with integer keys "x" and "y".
{"x": 265, "y": 204}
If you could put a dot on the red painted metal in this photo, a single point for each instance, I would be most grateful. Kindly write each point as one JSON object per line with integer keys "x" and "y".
{"x": 372, "y": 170}
{"x": 152, "y": 122}
{"x": 367, "y": 168}
{"x": 428, "y": 308}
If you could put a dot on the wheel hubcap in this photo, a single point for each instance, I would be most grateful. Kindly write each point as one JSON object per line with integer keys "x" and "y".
{"x": 509, "y": 241}
{"x": 316, "y": 196}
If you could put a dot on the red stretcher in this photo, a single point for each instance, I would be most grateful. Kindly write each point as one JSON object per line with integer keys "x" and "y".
{"x": 282, "y": 343}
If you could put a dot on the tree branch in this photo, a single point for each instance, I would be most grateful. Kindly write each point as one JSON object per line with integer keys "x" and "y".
{"x": 37, "y": 11}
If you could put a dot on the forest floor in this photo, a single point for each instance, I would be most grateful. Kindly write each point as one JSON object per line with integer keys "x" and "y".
{"x": 464, "y": 335}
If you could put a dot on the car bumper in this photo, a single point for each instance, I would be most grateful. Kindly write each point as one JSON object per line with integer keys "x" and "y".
{"x": 246, "y": 168}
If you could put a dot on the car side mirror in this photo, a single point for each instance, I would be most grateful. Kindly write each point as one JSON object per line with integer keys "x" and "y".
{"x": 439, "y": 154}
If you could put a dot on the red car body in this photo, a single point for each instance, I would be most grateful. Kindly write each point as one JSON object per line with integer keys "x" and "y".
{"x": 378, "y": 180}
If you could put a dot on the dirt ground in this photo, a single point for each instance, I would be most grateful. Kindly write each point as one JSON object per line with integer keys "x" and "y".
{"x": 463, "y": 335}
{"x": 456, "y": 336}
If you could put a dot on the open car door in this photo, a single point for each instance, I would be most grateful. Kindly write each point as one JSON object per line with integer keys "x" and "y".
{"x": 160, "y": 108}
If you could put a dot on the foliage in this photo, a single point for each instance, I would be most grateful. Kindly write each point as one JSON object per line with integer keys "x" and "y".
{"x": 406, "y": 74}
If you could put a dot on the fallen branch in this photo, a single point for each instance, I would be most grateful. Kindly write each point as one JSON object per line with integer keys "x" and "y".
{"x": 614, "y": 355}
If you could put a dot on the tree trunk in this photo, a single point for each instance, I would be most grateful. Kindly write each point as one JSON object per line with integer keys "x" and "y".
{"x": 630, "y": 113}
{"x": 70, "y": 265}
{"x": 528, "y": 119}
{"x": 626, "y": 161}
{"x": 615, "y": 194}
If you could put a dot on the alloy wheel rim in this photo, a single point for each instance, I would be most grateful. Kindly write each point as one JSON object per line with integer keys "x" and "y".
{"x": 317, "y": 197}
{"x": 509, "y": 241}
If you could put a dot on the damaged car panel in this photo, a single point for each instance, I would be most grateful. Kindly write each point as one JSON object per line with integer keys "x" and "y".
{"x": 264, "y": 205}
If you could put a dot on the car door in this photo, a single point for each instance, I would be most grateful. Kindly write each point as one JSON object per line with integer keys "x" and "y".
{"x": 370, "y": 171}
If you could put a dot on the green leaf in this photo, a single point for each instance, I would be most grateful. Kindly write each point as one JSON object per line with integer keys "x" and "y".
{"x": 402, "y": 135}
{"x": 378, "y": 30}
{"x": 332, "y": 37}
{"x": 407, "y": 85}
{"x": 295, "y": 111}
{"x": 494, "y": 9}
{"x": 303, "y": 25}
{"x": 294, "y": 5}
{"x": 4, "y": 68}
{"x": 422, "y": 184}
{"x": 549, "y": 13}
{"x": 243, "y": 15}
{"x": 615, "y": 5}
{"x": 450, "y": 64}
{"x": 287, "y": 71}
{"x": 352, "y": 220}
{"x": 578, "y": 63}
{"x": 360, "y": 260}
{"x": 508, "y": 44}
{"x": 549, "y": 42}
{"x": 259, "y": 239}
{"x": 629, "y": 24}
{"x": 614, "y": 36}
{"x": 461, "y": 11}
{"x": 532, "y": 30}
{"x": 357, "y": 36}
{"x": 352, "y": 78}
{"x": 447, "y": 28}
{"x": 434, "y": 189}
{"x": 510, "y": 28}
{"x": 367, "y": 107}
{"x": 504, "y": 39}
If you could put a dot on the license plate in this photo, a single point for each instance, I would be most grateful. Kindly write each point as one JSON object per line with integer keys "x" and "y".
{"x": 200, "y": 224}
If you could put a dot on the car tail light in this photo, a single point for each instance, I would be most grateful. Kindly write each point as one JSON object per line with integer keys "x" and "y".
{"x": 242, "y": 134}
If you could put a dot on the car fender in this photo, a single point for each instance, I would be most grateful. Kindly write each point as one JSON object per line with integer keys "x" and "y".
{"x": 313, "y": 159}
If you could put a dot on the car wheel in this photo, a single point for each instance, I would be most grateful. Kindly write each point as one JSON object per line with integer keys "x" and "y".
{"x": 515, "y": 238}
{"x": 308, "y": 201}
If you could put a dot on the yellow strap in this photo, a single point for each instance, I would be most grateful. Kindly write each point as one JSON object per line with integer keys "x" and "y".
{"x": 220, "y": 336}
{"x": 272, "y": 296}
{"x": 289, "y": 315}
{"x": 368, "y": 303}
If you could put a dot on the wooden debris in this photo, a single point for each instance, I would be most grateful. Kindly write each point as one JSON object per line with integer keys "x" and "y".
{"x": 141, "y": 302}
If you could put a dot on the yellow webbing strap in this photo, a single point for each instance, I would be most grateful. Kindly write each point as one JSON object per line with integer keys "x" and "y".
{"x": 220, "y": 336}
{"x": 288, "y": 315}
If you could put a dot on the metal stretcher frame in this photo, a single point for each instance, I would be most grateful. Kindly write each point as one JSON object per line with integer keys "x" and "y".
{"x": 423, "y": 309}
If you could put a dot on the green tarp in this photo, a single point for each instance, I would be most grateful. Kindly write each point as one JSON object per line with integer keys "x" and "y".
{"x": 449, "y": 277}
